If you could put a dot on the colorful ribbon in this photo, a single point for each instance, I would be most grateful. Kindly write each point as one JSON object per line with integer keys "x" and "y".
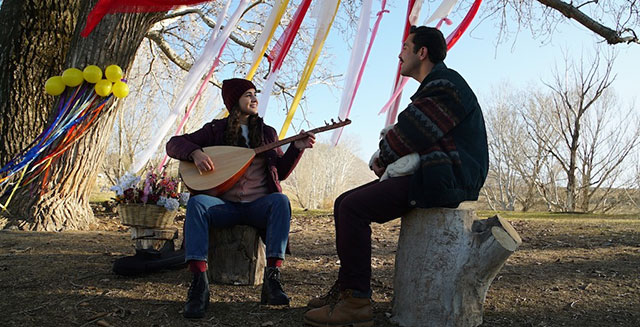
{"x": 397, "y": 84}
{"x": 279, "y": 52}
{"x": 455, "y": 35}
{"x": 104, "y": 7}
{"x": 77, "y": 110}
{"x": 205, "y": 81}
{"x": 441, "y": 12}
{"x": 326, "y": 13}
{"x": 351, "y": 90}
{"x": 269, "y": 29}
{"x": 189, "y": 89}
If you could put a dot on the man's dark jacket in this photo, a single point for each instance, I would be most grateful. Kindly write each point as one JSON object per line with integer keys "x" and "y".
{"x": 445, "y": 126}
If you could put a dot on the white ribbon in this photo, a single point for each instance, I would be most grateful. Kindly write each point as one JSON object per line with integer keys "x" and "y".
{"x": 197, "y": 71}
{"x": 265, "y": 93}
{"x": 442, "y": 12}
{"x": 415, "y": 12}
{"x": 357, "y": 54}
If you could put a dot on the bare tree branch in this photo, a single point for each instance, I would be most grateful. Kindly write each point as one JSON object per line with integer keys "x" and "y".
{"x": 156, "y": 37}
{"x": 572, "y": 12}
{"x": 210, "y": 22}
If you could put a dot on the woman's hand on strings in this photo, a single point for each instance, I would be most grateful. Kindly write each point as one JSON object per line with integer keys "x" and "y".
{"x": 306, "y": 142}
{"x": 202, "y": 161}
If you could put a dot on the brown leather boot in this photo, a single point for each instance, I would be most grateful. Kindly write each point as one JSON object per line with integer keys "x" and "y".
{"x": 349, "y": 311}
{"x": 330, "y": 298}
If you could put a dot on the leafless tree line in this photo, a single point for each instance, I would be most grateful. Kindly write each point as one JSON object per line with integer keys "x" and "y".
{"x": 564, "y": 146}
{"x": 613, "y": 21}
{"x": 324, "y": 172}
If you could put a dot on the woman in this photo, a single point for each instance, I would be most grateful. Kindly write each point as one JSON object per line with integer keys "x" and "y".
{"x": 255, "y": 200}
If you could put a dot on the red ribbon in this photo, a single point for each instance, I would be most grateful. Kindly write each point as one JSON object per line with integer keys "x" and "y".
{"x": 457, "y": 33}
{"x": 391, "y": 115}
{"x": 281, "y": 48}
{"x": 104, "y": 7}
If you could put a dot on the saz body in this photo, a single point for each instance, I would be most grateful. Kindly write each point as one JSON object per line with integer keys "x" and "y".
{"x": 231, "y": 162}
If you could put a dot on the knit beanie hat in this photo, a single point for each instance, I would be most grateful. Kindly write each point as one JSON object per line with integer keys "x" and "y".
{"x": 232, "y": 90}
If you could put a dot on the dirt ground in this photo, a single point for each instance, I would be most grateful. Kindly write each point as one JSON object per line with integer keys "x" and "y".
{"x": 570, "y": 271}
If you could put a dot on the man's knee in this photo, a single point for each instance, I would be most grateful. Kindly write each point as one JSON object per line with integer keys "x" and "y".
{"x": 350, "y": 209}
{"x": 338, "y": 203}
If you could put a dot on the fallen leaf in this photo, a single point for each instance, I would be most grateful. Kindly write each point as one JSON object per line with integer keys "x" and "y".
{"x": 103, "y": 323}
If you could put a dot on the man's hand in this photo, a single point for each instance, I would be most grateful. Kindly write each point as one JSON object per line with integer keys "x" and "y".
{"x": 202, "y": 161}
{"x": 377, "y": 169}
{"x": 306, "y": 142}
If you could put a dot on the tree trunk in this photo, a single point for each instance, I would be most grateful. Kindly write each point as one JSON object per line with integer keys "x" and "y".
{"x": 236, "y": 256}
{"x": 34, "y": 40}
{"x": 62, "y": 201}
{"x": 445, "y": 262}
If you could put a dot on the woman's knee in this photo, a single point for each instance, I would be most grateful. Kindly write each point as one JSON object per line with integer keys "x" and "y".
{"x": 280, "y": 199}
{"x": 203, "y": 200}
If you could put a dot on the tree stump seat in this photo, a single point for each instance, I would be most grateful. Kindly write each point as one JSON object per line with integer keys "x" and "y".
{"x": 236, "y": 256}
{"x": 445, "y": 261}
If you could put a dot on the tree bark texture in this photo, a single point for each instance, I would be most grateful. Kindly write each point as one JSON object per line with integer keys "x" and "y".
{"x": 62, "y": 202}
{"x": 445, "y": 262}
{"x": 34, "y": 40}
{"x": 236, "y": 256}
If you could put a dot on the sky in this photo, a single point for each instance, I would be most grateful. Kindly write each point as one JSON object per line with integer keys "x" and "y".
{"x": 475, "y": 56}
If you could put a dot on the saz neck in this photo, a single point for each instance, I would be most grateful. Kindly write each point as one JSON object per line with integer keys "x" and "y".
{"x": 294, "y": 138}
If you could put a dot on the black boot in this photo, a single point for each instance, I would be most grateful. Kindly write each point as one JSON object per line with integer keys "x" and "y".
{"x": 272, "y": 292}
{"x": 198, "y": 296}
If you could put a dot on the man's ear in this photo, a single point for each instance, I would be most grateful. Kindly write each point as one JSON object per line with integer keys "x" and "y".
{"x": 424, "y": 53}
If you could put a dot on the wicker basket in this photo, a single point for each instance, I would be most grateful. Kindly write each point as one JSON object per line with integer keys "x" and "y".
{"x": 151, "y": 215}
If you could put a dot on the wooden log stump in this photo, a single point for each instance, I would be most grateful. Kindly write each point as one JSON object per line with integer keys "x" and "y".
{"x": 236, "y": 256}
{"x": 445, "y": 262}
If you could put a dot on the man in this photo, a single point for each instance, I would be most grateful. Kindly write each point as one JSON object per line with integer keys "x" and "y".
{"x": 445, "y": 126}
{"x": 255, "y": 200}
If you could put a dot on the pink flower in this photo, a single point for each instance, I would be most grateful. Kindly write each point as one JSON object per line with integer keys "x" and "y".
{"x": 153, "y": 187}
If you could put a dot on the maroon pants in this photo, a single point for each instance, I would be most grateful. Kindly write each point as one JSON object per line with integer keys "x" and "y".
{"x": 354, "y": 211}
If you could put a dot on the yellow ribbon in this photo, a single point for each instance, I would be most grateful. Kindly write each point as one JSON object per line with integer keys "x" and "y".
{"x": 24, "y": 170}
{"x": 308, "y": 69}
{"x": 276, "y": 22}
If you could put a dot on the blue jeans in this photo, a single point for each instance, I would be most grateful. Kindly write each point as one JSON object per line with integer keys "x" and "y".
{"x": 271, "y": 212}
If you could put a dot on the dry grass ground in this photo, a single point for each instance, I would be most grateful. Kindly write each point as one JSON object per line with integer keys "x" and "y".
{"x": 572, "y": 270}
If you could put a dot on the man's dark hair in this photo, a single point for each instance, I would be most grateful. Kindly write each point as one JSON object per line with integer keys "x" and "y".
{"x": 432, "y": 39}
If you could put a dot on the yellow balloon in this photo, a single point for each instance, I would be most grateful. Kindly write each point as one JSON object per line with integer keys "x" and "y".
{"x": 120, "y": 89}
{"x": 103, "y": 87}
{"x": 54, "y": 85}
{"x": 72, "y": 77}
{"x": 113, "y": 73}
{"x": 92, "y": 73}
